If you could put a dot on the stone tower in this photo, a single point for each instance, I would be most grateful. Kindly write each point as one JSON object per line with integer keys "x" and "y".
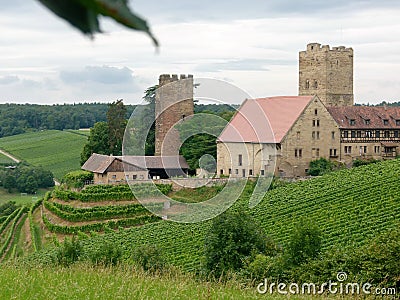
{"x": 327, "y": 73}
{"x": 174, "y": 102}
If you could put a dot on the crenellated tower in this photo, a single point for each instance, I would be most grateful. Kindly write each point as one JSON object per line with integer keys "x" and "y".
{"x": 327, "y": 73}
{"x": 174, "y": 102}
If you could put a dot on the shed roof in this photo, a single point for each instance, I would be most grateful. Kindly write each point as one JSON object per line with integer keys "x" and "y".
{"x": 264, "y": 120}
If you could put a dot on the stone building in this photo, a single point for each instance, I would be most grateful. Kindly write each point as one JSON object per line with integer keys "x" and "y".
{"x": 282, "y": 135}
{"x": 327, "y": 73}
{"x": 300, "y": 129}
{"x": 174, "y": 102}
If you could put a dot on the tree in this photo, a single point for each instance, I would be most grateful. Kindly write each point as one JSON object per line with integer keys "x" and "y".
{"x": 9, "y": 182}
{"x": 305, "y": 242}
{"x": 320, "y": 167}
{"x": 97, "y": 142}
{"x": 116, "y": 121}
{"x": 84, "y": 14}
{"x": 232, "y": 238}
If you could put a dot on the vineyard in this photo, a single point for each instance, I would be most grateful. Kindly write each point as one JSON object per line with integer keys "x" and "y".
{"x": 43, "y": 148}
{"x": 349, "y": 206}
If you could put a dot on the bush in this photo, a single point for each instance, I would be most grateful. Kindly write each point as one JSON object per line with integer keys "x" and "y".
{"x": 305, "y": 243}
{"x": 108, "y": 254}
{"x": 149, "y": 258}
{"x": 77, "y": 179}
{"x": 232, "y": 238}
{"x": 362, "y": 162}
{"x": 69, "y": 252}
{"x": 320, "y": 167}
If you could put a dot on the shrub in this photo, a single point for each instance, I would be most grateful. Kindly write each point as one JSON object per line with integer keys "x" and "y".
{"x": 233, "y": 237}
{"x": 77, "y": 179}
{"x": 69, "y": 252}
{"x": 320, "y": 167}
{"x": 305, "y": 243}
{"x": 108, "y": 254}
{"x": 149, "y": 258}
{"x": 362, "y": 162}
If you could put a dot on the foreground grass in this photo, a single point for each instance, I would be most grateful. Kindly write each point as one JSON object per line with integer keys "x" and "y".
{"x": 85, "y": 282}
{"x": 57, "y": 151}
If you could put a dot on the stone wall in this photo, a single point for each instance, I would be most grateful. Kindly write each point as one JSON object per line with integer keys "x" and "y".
{"x": 174, "y": 102}
{"x": 327, "y": 73}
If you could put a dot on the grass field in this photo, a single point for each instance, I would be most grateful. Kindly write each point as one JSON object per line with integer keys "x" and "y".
{"x": 5, "y": 159}
{"x": 85, "y": 282}
{"x": 57, "y": 151}
{"x": 20, "y": 199}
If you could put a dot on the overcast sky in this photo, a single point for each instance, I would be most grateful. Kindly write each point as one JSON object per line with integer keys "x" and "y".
{"x": 251, "y": 44}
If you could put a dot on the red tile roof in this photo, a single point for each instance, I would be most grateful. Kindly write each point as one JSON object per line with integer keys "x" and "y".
{"x": 264, "y": 120}
{"x": 366, "y": 117}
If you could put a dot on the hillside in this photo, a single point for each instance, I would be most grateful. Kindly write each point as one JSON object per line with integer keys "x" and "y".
{"x": 349, "y": 206}
{"x": 57, "y": 151}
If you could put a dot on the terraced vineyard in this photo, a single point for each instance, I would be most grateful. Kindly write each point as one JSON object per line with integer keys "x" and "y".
{"x": 69, "y": 212}
{"x": 57, "y": 151}
{"x": 349, "y": 206}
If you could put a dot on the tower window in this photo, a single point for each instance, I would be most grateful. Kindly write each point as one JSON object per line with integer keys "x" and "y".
{"x": 315, "y": 84}
{"x": 307, "y": 84}
{"x": 240, "y": 159}
{"x": 316, "y": 112}
{"x": 333, "y": 135}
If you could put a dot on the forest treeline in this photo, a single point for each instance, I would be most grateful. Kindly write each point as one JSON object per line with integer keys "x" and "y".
{"x": 20, "y": 118}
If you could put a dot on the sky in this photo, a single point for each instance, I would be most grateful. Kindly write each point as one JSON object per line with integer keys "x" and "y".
{"x": 253, "y": 45}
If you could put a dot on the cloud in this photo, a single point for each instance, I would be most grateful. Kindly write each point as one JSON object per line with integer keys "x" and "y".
{"x": 243, "y": 65}
{"x": 9, "y": 79}
{"x": 103, "y": 74}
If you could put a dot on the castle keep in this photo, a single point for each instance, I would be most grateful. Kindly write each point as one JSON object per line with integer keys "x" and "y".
{"x": 174, "y": 102}
{"x": 327, "y": 73}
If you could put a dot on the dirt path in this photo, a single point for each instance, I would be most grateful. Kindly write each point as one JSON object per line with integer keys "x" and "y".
{"x": 12, "y": 237}
{"x": 9, "y": 156}
{"x": 26, "y": 229}
{"x": 80, "y": 204}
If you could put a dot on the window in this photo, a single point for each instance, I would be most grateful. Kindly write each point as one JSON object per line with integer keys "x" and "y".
{"x": 313, "y": 152}
{"x": 243, "y": 172}
{"x": 367, "y": 121}
{"x": 315, "y": 84}
{"x": 377, "y": 134}
{"x": 377, "y": 149}
{"x": 134, "y": 176}
{"x": 317, "y": 135}
{"x": 333, "y": 135}
{"x": 298, "y": 135}
{"x": 346, "y": 134}
{"x": 387, "y": 134}
{"x": 237, "y": 171}
{"x": 332, "y": 152}
{"x": 183, "y": 117}
{"x": 358, "y": 133}
{"x": 262, "y": 172}
{"x": 353, "y": 134}
{"x": 316, "y": 112}
{"x": 368, "y": 134}
{"x": 298, "y": 152}
{"x": 251, "y": 172}
{"x": 385, "y": 122}
{"x": 230, "y": 171}
{"x": 313, "y": 123}
{"x": 317, "y": 123}
{"x": 365, "y": 149}
{"x": 396, "y": 133}
{"x": 352, "y": 122}
{"x": 127, "y": 177}
{"x": 307, "y": 84}
{"x": 221, "y": 172}
{"x": 347, "y": 149}
{"x": 240, "y": 160}
{"x": 317, "y": 152}
{"x": 398, "y": 122}
{"x": 313, "y": 134}
{"x": 114, "y": 177}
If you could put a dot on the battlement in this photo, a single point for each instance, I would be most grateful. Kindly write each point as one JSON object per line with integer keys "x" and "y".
{"x": 315, "y": 47}
{"x": 167, "y": 78}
